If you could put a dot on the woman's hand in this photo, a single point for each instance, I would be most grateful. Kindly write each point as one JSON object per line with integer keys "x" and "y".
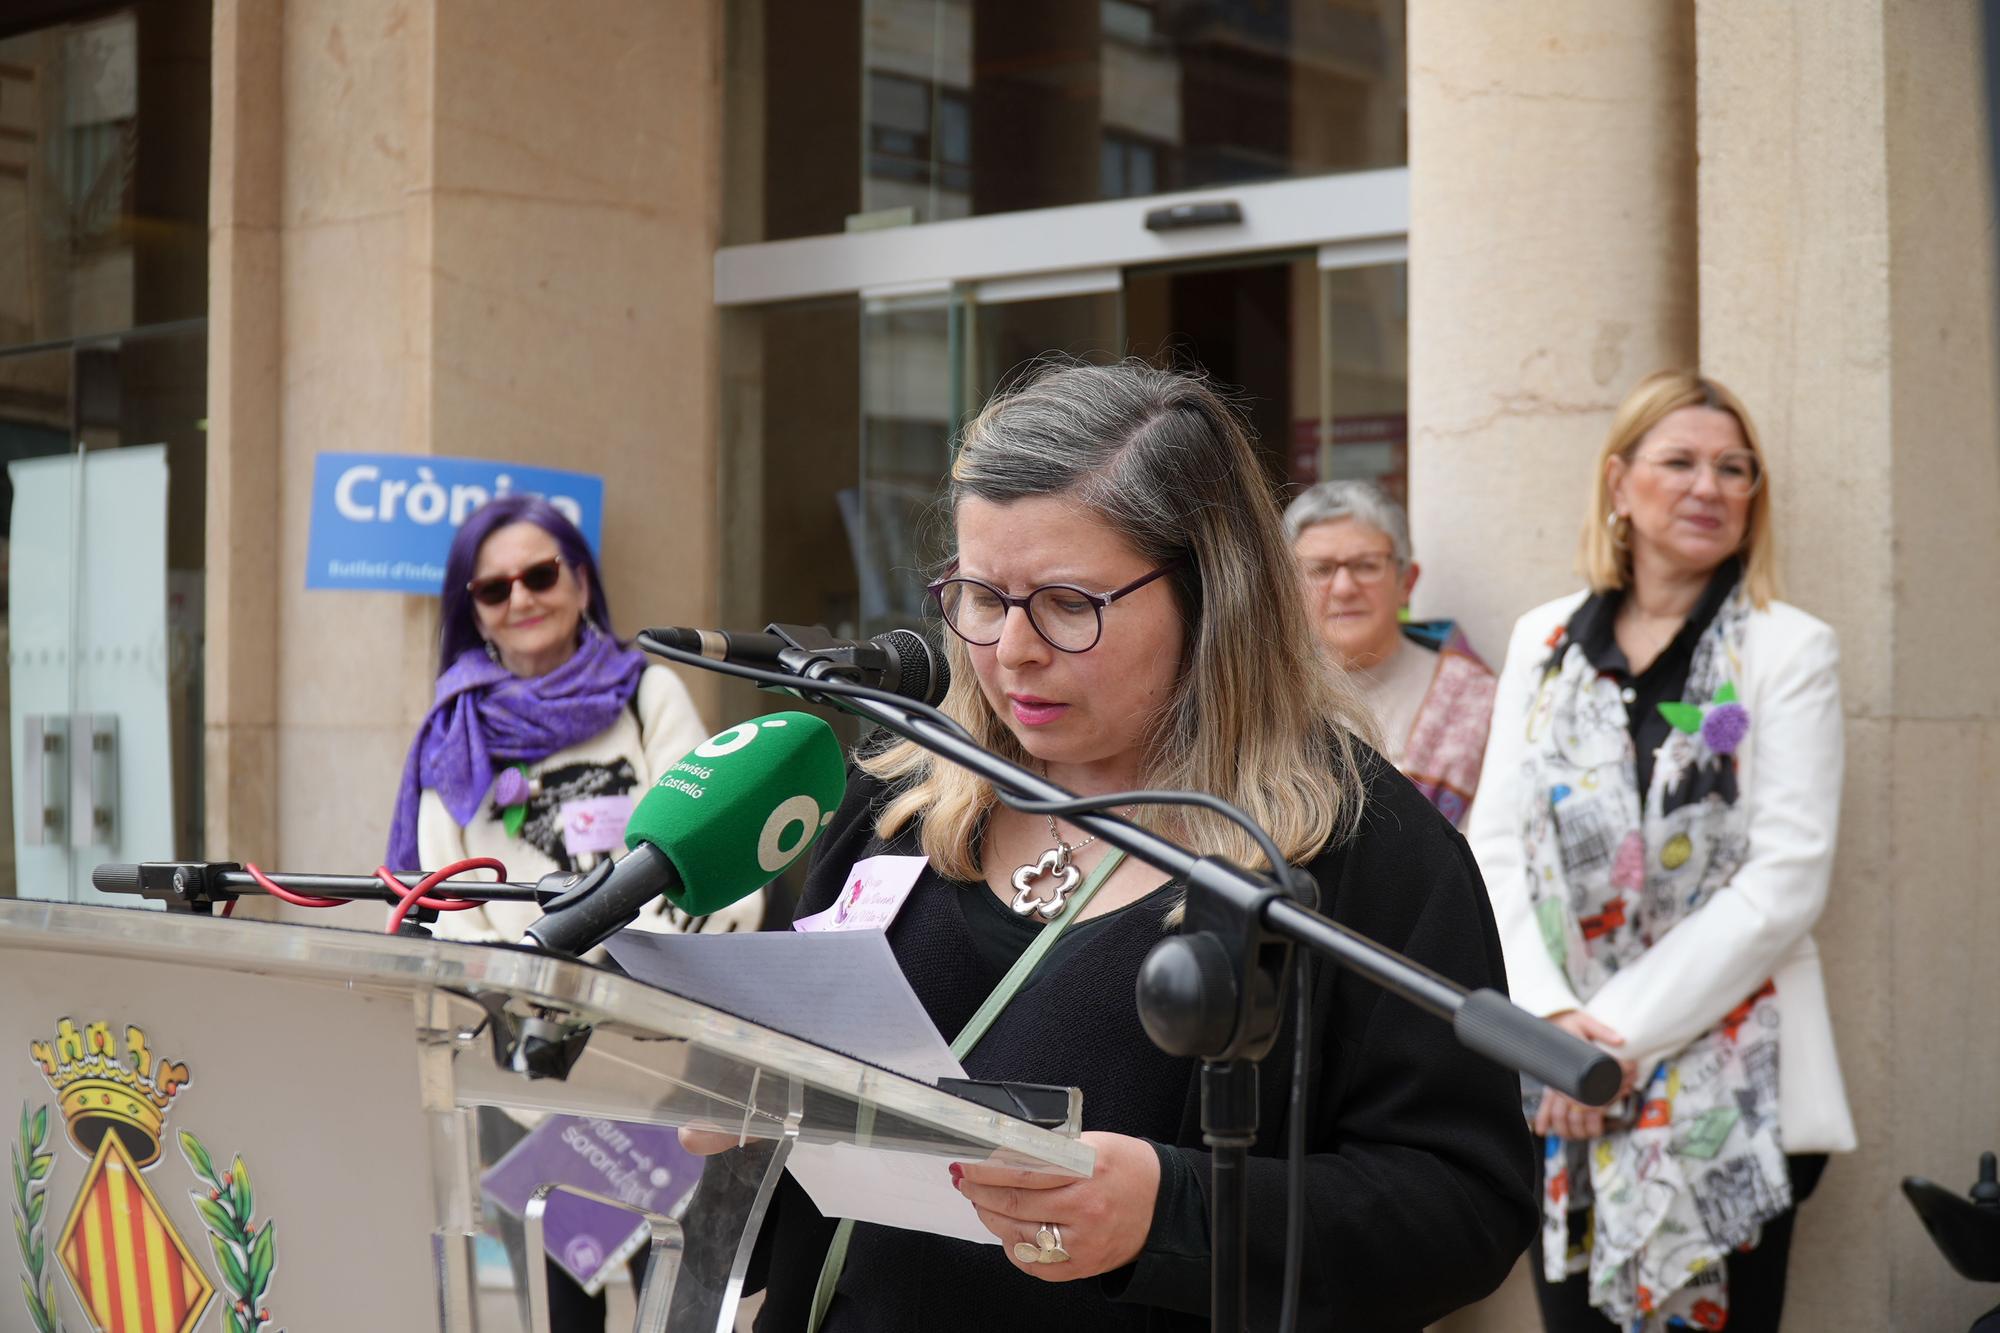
{"x": 708, "y": 1142}
{"x": 1104, "y": 1219}
{"x": 1564, "y": 1116}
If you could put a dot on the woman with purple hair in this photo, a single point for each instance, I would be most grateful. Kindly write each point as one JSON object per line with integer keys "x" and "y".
{"x": 544, "y": 731}
{"x": 545, "y": 728}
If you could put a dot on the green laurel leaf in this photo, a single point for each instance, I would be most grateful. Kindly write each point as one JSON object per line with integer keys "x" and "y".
{"x": 39, "y": 1168}
{"x": 34, "y": 1306}
{"x": 1685, "y": 717}
{"x": 21, "y": 1234}
{"x": 26, "y": 1136}
{"x": 36, "y": 1255}
{"x": 41, "y": 1129}
{"x": 35, "y": 1209}
{"x": 237, "y": 1323}
{"x": 232, "y": 1267}
{"x": 198, "y": 1158}
{"x": 239, "y": 1188}
{"x": 263, "y": 1258}
{"x": 20, "y": 1185}
{"x": 218, "y": 1220}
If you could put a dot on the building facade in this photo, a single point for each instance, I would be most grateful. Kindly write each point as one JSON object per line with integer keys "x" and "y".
{"x": 751, "y": 260}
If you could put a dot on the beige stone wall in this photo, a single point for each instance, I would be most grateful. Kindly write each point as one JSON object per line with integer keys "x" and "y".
{"x": 441, "y": 227}
{"x": 1845, "y": 289}
{"x": 1847, "y": 293}
{"x": 1551, "y": 264}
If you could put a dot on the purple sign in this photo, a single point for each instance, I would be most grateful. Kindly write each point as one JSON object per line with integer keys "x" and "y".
{"x": 643, "y": 1166}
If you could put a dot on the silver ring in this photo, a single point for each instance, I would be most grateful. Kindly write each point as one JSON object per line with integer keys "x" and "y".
{"x": 1049, "y": 1238}
{"x": 1046, "y": 1248}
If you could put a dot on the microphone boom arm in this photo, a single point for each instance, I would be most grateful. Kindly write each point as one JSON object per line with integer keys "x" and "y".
{"x": 1485, "y": 1021}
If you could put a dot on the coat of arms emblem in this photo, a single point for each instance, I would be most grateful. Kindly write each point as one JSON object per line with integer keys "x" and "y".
{"x": 129, "y": 1268}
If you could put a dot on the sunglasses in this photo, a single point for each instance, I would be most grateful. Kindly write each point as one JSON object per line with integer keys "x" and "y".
{"x": 538, "y": 577}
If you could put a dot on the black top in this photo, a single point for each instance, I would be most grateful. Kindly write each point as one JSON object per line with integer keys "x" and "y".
{"x": 1420, "y": 1177}
{"x": 1665, "y": 679}
{"x": 1002, "y": 935}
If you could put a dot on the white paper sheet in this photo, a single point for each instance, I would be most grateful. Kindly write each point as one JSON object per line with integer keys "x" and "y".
{"x": 897, "y": 1189}
{"x": 840, "y": 989}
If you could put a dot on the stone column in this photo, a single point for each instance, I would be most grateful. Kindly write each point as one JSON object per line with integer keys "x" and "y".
{"x": 464, "y": 229}
{"x": 1551, "y": 265}
{"x": 240, "y": 663}
{"x": 1847, "y": 294}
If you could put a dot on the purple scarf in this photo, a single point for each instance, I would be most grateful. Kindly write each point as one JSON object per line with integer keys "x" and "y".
{"x": 485, "y": 717}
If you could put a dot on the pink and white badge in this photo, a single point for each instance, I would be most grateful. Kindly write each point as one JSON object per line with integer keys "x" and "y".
{"x": 871, "y": 897}
{"x": 596, "y": 824}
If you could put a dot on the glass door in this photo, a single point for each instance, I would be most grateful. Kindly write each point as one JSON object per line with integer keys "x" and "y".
{"x": 929, "y": 361}
{"x": 102, "y": 608}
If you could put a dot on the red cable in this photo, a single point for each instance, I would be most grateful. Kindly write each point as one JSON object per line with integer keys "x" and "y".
{"x": 229, "y": 908}
{"x": 415, "y": 894}
{"x": 286, "y": 895}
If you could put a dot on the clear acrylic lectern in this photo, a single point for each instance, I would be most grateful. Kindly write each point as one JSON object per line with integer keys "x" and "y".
{"x": 277, "y": 1121}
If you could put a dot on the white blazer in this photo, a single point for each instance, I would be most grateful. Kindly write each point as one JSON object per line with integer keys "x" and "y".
{"x": 1756, "y": 927}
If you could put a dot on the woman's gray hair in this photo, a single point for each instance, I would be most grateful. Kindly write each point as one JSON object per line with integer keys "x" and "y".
{"x": 1255, "y": 716}
{"x": 1362, "y": 501}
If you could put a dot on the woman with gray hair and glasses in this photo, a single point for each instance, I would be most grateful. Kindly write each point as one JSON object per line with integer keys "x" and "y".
{"x": 1430, "y": 692}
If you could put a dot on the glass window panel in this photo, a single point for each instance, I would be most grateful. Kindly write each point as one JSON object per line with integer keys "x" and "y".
{"x": 1365, "y": 366}
{"x": 104, "y": 173}
{"x": 964, "y": 107}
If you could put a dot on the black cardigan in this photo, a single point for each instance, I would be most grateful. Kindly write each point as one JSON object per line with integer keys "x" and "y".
{"x": 1420, "y": 1175}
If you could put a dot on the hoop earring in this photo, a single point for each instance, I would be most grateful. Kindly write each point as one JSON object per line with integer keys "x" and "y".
{"x": 1620, "y": 527}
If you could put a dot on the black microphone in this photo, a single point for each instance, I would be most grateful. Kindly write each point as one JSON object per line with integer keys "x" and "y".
{"x": 902, "y": 661}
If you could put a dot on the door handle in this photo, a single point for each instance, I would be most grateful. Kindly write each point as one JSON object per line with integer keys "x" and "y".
{"x": 45, "y": 779}
{"x": 93, "y": 799}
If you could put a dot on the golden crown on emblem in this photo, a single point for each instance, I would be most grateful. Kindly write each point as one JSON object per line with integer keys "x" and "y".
{"x": 102, "y": 1090}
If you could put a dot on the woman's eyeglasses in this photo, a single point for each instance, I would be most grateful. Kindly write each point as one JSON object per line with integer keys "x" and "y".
{"x": 1069, "y": 618}
{"x": 1737, "y": 473}
{"x": 1366, "y": 570}
{"x": 496, "y": 589}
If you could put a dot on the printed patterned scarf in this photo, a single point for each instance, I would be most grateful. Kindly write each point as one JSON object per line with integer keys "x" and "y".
{"x": 1691, "y": 1166}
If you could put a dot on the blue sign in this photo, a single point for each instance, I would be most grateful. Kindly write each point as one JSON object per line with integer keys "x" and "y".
{"x": 385, "y": 521}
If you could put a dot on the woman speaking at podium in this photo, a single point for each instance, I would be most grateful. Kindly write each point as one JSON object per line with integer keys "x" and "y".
{"x": 1124, "y": 612}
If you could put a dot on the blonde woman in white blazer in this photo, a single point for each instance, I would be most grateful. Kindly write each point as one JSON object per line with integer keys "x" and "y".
{"x": 1656, "y": 827}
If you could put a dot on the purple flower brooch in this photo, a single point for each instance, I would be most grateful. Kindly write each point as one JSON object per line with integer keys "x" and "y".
{"x": 1722, "y": 722}
{"x": 511, "y": 790}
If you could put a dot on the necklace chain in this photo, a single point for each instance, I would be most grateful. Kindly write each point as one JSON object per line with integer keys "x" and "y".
{"x": 1056, "y": 837}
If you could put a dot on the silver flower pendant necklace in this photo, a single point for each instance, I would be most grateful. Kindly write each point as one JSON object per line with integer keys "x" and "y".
{"x": 1055, "y": 865}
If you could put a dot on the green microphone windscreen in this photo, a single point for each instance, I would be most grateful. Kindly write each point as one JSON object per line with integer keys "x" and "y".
{"x": 741, "y": 806}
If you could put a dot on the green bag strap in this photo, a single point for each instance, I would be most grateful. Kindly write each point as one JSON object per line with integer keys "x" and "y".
{"x": 1017, "y": 977}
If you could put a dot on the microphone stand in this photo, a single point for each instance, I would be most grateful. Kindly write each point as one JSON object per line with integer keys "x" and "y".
{"x": 1216, "y": 990}
{"x": 197, "y": 886}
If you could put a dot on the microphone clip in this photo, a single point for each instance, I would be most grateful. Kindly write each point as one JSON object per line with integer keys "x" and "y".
{"x": 179, "y": 886}
{"x": 815, "y": 655}
{"x": 535, "y": 1046}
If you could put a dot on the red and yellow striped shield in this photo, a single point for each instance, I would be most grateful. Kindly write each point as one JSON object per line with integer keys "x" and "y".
{"x": 130, "y": 1270}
